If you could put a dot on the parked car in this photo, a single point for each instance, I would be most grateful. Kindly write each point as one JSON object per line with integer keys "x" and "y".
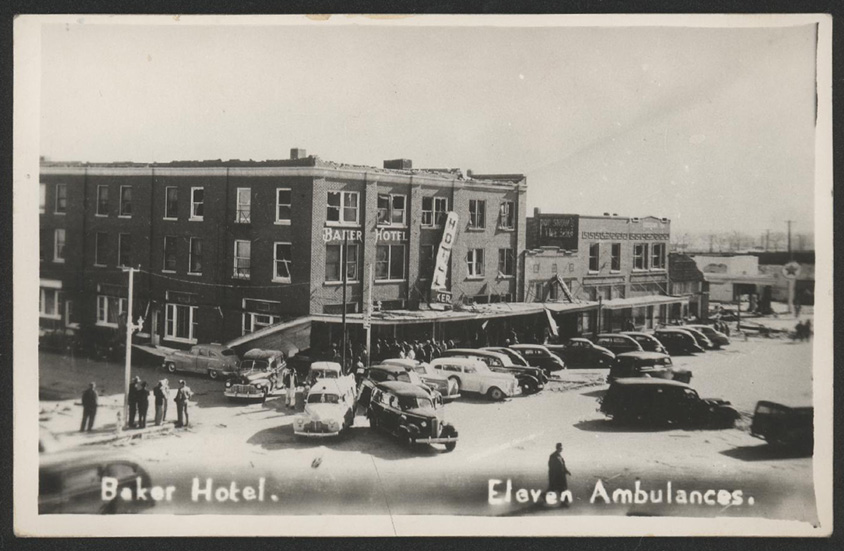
{"x": 410, "y": 414}
{"x": 647, "y": 364}
{"x": 648, "y": 342}
{"x": 718, "y": 338}
{"x": 255, "y": 382}
{"x": 329, "y": 370}
{"x": 473, "y": 375}
{"x": 618, "y": 343}
{"x": 202, "y": 358}
{"x": 72, "y": 482}
{"x": 256, "y": 359}
{"x": 677, "y": 341}
{"x": 784, "y": 425}
{"x": 699, "y": 337}
{"x": 430, "y": 376}
{"x": 382, "y": 373}
{"x": 531, "y": 379}
{"x": 516, "y": 358}
{"x": 579, "y": 352}
{"x": 329, "y": 410}
{"x": 539, "y": 356}
{"x": 659, "y": 402}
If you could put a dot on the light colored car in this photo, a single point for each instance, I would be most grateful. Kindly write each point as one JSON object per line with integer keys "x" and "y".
{"x": 435, "y": 380}
{"x": 531, "y": 379}
{"x": 473, "y": 375}
{"x": 329, "y": 410}
{"x": 330, "y": 370}
{"x": 202, "y": 358}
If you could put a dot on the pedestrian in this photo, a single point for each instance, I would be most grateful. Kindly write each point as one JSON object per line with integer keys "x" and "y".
{"x": 182, "y": 396}
{"x": 143, "y": 404}
{"x": 807, "y": 329}
{"x": 160, "y": 392}
{"x": 133, "y": 400}
{"x": 557, "y": 472}
{"x": 288, "y": 377}
{"x": 89, "y": 407}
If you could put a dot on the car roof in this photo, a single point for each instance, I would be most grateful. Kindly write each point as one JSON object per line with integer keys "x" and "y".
{"x": 457, "y": 361}
{"x": 326, "y": 385}
{"x": 475, "y": 351}
{"x": 636, "y": 334}
{"x": 643, "y": 355}
{"x": 401, "y": 362}
{"x": 791, "y": 404}
{"x": 261, "y": 354}
{"x": 604, "y": 335}
{"x": 525, "y": 346}
{"x": 389, "y": 368}
{"x": 646, "y": 381}
{"x": 400, "y": 388}
{"x": 334, "y": 366}
{"x": 673, "y": 330}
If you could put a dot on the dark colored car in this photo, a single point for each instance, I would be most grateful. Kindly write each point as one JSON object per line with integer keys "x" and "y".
{"x": 782, "y": 425}
{"x": 539, "y": 356}
{"x": 514, "y": 356}
{"x": 701, "y": 339}
{"x": 718, "y": 338}
{"x": 531, "y": 379}
{"x": 677, "y": 341}
{"x": 385, "y": 373}
{"x": 410, "y": 414}
{"x": 618, "y": 343}
{"x": 648, "y": 342}
{"x": 73, "y": 482}
{"x": 583, "y": 353}
{"x": 660, "y": 402}
{"x": 647, "y": 364}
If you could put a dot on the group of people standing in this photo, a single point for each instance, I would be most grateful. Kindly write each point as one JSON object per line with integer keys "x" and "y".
{"x": 803, "y": 330}
{"x": 415, "y": 350}
{"x": 139, "y": 403}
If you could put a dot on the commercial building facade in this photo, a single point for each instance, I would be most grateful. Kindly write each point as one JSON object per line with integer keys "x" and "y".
{"x": 228, "y": 248}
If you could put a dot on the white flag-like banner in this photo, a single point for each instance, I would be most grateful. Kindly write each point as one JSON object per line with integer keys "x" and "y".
{"x": 438, "y": 281}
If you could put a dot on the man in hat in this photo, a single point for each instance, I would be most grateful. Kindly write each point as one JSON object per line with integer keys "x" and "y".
{"x": 133, "y": 400}
{"x": 89, "y": 407}
{"x": 182, "y": 396}
{"x": 557, "y": 472}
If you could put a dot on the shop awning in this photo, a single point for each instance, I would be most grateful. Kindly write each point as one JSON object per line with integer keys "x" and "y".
{"x": 638, "y": 302}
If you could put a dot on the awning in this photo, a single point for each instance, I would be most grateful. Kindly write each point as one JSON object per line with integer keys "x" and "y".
{"x": 638, "y": 302}
{"x": 758, "y": 279}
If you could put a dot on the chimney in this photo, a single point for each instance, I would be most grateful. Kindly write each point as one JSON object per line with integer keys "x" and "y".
{"x": 399, "y": 164}
{"x": 537, "y": 211}
{"x": 606, "y": 214}
{"x": 296, "y": 153}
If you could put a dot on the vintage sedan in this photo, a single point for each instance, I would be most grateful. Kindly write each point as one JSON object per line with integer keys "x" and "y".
{"x": 701, "y": 339}
{"x": 430, "y": 376}
{"x": 256, "y": 359}
{"x": 677, "y": 341}
{"x": 718, "y": 338}
{"x": 410, "y": 414}
{"x": 329, "y": 370}
{"x": 202, "y": 358}
{"x": 329, "y": 410}
{"x": 473, "y": 375}
{"x": 788, "y": 426}
{"x": 254, "y": 383}
{"x": 531, "y": 379}
{"x": 514, "y": 356}
{"x": 580, "y": 352}
{"x": 618, "y": 343}
{"x": 648, "y": 342}
{"x": 647, "y": 364}
{"x": 539, "y": 356}
{"x": 382, "y": 373}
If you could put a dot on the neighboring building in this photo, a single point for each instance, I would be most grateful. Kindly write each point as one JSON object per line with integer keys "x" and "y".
{"x": 620, "y": 262}
{"x": 771, "y": 263}
{"x": 731, "y": 277}
{"x": 686, "y": 280}
{"x": 228, "y": 248}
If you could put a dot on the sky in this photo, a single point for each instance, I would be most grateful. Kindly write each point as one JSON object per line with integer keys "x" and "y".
{"x": 710, "y": 127}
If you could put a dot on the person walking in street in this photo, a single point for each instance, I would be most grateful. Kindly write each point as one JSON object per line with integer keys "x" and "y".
{"x": 143, "y": 404}
{"x": 557, "y": 472}
{"x": 288, "y": 377}
{"x": 161, "y": 394}
{"x": 182, "y": 396}
{"x": 89, "y": 407}
{"x": 133, "y": 400}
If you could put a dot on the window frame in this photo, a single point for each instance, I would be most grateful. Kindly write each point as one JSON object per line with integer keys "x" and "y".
{"x": 640, "y": 259}
{"x": 42, "y": 198}
{"x": 477, "y": 216}
{"x": 102, "y": 202}
{"x": 192, "y": 254}
{"x": 390, "y": 262}
{"x": 288, "y": 263}
{"x": 174, "y": 240}
{"x": 123, "y": 202}
{"x": 42, "y": 303}
{"x": 344, "y": 263}
{"x": 657, "y": 253}
{"x": 239, "y": 216}
{"x": 435, "y": 216}
{"x": 596, "y": 256}
{"x": 192, "y": 323}
{"x": 615, "y": 259}
{"x": 278, "y": 204}
{"x": 341, "y": 209}
{"x": 60, "y": 199}
{"x": 237, "y": 269}
{"x": 508, "y": 256}
{"x": 194, "y": 203}
{"x": 506, "y": 215}
{"x": 59, "y": 259}
{"x": 120, "y": 250}
{"x": 97, "y": 260}
{"x": 122, "y": 306}
{"x": 472, "y": 263}
{"x": 167, "y": 203}
{"x": 273, "y": 319}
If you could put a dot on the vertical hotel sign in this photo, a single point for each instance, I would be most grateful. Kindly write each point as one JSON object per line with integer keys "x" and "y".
{"x": 439, "y": 291}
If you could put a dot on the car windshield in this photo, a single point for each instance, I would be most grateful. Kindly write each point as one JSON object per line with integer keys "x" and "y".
{"x": 227, "y": 352}
{"x": 323, "y": 398}
{"x": 325, "y": 374}
{"x": 420, "y": 369}
{"x": 413, "y": 402}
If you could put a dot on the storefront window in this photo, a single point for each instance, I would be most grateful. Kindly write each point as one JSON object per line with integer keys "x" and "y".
{"x": 594, "y": 257}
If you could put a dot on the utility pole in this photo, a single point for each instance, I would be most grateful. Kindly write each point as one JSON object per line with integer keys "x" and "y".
{"x": 130, "y": 328}
{"x": 790, "y": 253}
{"x": 368, "y": 315}
{"x": 345, "y": 281}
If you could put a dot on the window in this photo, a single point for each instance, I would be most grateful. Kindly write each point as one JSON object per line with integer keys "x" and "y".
{"x": 102, "y": 200}
{"x": 61, "y": 199}
{"x": 615, "y": 263}
{"x": 554, "y": 268}
{"x": 48, "y": 304}
{"x": 434, "y": 211}
{"x": 242, "y": 259}
{"x": 42, "y": 199}
{"x": 58, "y": 245}
{"x": 427, "y": 261}
{"x": 282, "y": 261}
{"x": 195, "y": 256}
{"x": 126, "y": 201}
{"x": 100, "y": 249}
{"x": 334, "y": 261}
{"x": 477, "y": 213}
{"x": 253, "y": 321}
{"x": 475, "y": 262}
{"x": 197, "y": 203}
{"x": 505, "y": 263}
{"x": 109, "y": 310}
{"x": 658, "y": 256}
{"x": 640, "y": 256}
{"x": 70, "y": 315}
{"x": 538, "y": 288}
{"x": 342, "y": 207}
{"x": 594, "y": 257}
{"x": 124, "y": 249}
{"x": 283, "y": 201}
{"x": 243, "y": 206}
{"x": 392, "y": 210}
{"x": 389, "y": 262}
{"x": 180, "y": 322}
{"x": 506, "y": 215}
{"x": 169, "y": 253}
{"x": 171, "y": 203}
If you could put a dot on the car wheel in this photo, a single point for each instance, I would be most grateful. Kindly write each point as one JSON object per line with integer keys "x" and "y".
{"x": 529, "y": 388}
{"x": 171, "y": 367}
{"x": 452, "y": 388}
{"x": 449, "y": 446}
{"x": 495, "y": 394}
{"x": 213, "y": 373}
{"x": 456, "y": 382}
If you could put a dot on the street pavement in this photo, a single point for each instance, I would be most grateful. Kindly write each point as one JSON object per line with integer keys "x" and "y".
{"x": 367, "y": 472}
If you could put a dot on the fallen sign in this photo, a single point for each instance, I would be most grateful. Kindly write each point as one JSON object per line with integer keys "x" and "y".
{"x": 442, "y": 296}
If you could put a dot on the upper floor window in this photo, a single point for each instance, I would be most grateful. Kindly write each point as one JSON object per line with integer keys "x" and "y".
{"x": 197, "y": 203}
{"x": 506, "y": 262}
{"x": 343, "y": 207}
{"x": 126, "y": 201}
{"x": 658, "y": 256}
{"x": 169, "y": 253}
{"x": 392, "y": 210}
{"x": 506, "y": 215}
{"x": 640, "y": 256}
{"x": 434, "y": 211}
{"x": 477, "y": 213}
{"x": 110, "y": 310}
{"x": 100, "y": 249}
{"x": 615, "y": 262}
{"x": 335, "y": 259}
{"x": 475, "y": 262}
{"x": 243, "y": 210}
{"x": 594, "y": 257}
{"x": 61, "y": 199}
{"x": 242, "y": 259}
{"x": 171, "y": 203}
{"x": 389, "y": 262}
{"x": 48, "y": 303}
{"x": 195, "y": 256}
{"x": 282, "y": 261}
{"x": 58, "y": 245}
{"x": 42, "y": 198}
{"x": 124, "y": 250}
{"x": 283, "y": 203}
{"x": 102, "y": 200}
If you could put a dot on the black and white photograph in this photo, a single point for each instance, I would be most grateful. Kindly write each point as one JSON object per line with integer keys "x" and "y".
{"x": 423, "y": 275}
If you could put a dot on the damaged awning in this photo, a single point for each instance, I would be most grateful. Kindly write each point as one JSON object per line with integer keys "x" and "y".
{"x": 638, "y": 302}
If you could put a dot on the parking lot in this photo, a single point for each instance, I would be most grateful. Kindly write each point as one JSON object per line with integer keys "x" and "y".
{"x": 367, "y": 472}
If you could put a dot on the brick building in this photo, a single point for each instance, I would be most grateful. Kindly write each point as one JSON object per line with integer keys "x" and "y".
{"x": 227, "y": 248}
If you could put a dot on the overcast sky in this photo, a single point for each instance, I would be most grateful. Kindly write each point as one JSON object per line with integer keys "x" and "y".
{"x": 713, "y": 128}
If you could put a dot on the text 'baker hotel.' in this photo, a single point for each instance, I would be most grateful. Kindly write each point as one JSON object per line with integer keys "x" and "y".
{"x": 253, "y": 252}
